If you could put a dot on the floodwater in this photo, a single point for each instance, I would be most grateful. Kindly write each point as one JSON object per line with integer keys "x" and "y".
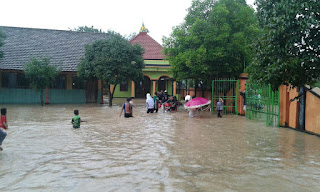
{"x": 152, "y": 152}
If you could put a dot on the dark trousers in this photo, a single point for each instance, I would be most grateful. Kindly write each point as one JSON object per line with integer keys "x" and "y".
{"x": 127, "y": 115}
{"x": 150, "y": 110}
{"x": 3, "y": 135}
{"x": 219, "y": 113}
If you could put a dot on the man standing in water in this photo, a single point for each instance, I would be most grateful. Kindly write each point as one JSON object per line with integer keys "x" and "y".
{"x": 127, "y": 108}
{"x": 156, "y": 101}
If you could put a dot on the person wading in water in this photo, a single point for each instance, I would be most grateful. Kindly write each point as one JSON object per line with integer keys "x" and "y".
{"x": 127, "y": 107}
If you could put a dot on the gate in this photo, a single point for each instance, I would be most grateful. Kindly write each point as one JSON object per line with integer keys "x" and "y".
{"x": 262, "y": 103}
{"x": 228, "y": 90}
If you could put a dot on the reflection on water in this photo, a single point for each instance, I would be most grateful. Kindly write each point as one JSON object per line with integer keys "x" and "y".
{"x": 152, "y": 152}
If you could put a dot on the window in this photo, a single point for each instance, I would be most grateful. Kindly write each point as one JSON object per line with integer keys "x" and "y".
{"x": 14, "y": 80}
{"x": 60, "y": 82}
{"x": 124, "y": 86}
{"x": 5, "y": 79}
{"x": 78, "y": 83}
{"x": 22, "y": 82}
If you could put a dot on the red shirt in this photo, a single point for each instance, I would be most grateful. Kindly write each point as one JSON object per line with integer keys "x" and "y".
{"x": 2, "y": 120}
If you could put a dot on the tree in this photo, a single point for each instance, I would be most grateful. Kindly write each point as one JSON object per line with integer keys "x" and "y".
{"x": 2, "y": 37}
{"x": 40, "y": 74}
{"x": 214, "y": 41}
{"x": 288, "y": 50}
{"x": 130, "y": 36}
{"x": 87, "y": 29}
{"x": 114, "y": 61}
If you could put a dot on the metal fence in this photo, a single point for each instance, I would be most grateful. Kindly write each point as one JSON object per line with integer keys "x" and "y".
{"x": 228, "y": 90}
{"x": 262, "y": 103}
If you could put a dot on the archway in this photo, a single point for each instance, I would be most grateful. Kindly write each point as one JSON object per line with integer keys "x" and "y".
{"x": 163, "y": 82}
{"x": 142, "y": 87}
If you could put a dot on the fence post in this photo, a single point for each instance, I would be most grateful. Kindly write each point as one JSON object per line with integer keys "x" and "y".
{"x": 212, "y": 97}
{"x": 237, "y": 97}
{"x": 268, "y": 104}
{"x": 272, "y": 109}
{"x": 279, "y": 107}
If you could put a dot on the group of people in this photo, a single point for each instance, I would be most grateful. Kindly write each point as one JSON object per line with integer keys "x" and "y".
{"x": 219, "y": 107}
{"x": 159, "y": 100}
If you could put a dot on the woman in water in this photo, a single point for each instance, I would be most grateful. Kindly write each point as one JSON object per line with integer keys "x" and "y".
{"x": 149, "y": 103}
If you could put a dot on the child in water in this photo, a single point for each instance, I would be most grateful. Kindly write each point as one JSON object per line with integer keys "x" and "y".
{"x": 76, "y": 120}
{"x": 3, "y": 126}
{"x": 219, "y": 107}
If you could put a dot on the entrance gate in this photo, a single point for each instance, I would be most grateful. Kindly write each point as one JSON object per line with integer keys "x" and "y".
{"x": 262, "y": 103}
{"x": 228, "y": 90}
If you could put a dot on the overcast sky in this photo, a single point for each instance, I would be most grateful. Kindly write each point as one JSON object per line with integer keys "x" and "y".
{"x": 122, "y": 16}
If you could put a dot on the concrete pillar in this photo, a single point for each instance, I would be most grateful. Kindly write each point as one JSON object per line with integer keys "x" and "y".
{"x": 132, "y": 89}
{"x": 293, "y": 108}
{"x": 69, "y": 81}
{"x": 242, "y": 87}
{"x": 283, "y": 108}
{"x": 153, "y": 87}
{"x": 174, "y": 87}
{"x": 100, "y": 87}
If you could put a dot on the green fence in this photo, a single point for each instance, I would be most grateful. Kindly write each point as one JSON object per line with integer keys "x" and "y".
{"x": 19, "y": 96}
{"x": 262, "y": 103}
{"x": 31, "y": 96}
{"x": 228, "y": 90}
{"x": 62, "y": 96}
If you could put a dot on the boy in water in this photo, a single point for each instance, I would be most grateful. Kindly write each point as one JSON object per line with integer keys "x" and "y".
{"x": 76, "y": 120}
{"x": 3, "y": 126}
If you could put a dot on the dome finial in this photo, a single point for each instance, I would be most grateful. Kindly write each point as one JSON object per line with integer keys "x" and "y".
{"x": 143, "y": 28}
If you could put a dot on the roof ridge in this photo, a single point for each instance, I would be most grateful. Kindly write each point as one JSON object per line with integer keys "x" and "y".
{"x": 58, "y": 30}
{"x": 155, "y": 40}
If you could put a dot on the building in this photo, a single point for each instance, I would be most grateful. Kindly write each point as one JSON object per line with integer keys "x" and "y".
{"x": 157, "y": 73}
{"x": 65, "y": 50}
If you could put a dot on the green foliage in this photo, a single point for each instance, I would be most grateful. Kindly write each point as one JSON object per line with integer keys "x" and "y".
{"x": 130, "y": 36}
{"x": 40, "y": 74}
{"x": 213, "y": 41}
{"x": 2, "y": 37}
{"x": 288, "y": 49}
{"x": 114, "y": 61}
{"x": 87, "y": 29}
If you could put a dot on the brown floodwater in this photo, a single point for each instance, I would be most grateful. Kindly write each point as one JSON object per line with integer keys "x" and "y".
{"x": 152, "y": 152}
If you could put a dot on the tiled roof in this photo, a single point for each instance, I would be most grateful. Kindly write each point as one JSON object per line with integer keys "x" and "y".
{"x": 64, "y": 48}
{"x": 152, "y": 49}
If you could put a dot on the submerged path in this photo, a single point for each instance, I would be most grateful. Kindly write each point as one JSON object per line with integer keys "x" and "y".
{"x": 152, "y": 152}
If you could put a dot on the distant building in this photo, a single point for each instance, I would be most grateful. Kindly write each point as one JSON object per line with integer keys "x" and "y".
{"x": 65, "y": 50}
{"x": 157, "y": 72}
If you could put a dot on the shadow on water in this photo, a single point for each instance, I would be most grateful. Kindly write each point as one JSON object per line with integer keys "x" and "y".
{"x": 152, "y": 152}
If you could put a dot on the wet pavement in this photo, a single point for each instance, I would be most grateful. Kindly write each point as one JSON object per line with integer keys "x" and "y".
{"x": 152, "y": 152}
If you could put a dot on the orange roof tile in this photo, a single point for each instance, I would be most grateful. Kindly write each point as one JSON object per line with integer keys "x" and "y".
{"x": 152, "y": 49}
